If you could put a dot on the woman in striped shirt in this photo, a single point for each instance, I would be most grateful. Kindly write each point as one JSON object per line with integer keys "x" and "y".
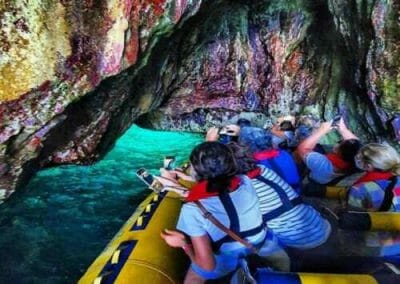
{"x": 296, "y": 224}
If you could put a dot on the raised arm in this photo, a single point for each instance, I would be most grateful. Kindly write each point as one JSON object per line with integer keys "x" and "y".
{"x": 345, "y": 132}
{"x": 308, "y": 144}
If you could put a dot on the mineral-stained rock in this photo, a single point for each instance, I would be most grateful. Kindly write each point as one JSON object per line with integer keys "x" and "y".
{"x": 76, "y": 74}
{"x": 54, "y": 55}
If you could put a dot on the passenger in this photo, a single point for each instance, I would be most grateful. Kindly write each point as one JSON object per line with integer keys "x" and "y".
{"x": 283, "y": 133}
{"x": 332, "y": 167}
{"x": 233, "y": 202}
{"x": 294, "y": 223}
{"x": 278, "y": 160}
{"x": 379, "y": 188}
{"x": 305, "y": 125}
{"x": 243, "y": 122}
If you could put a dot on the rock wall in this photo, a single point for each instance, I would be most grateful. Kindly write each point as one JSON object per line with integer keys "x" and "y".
{"x": 56, "y": 101}
{"x": 275, "y": 57}
{"x": 76, "y": 74}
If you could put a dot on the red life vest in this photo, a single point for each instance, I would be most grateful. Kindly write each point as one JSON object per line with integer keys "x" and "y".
{"x": 339, "y": 163}
{"x": 199, "y": 190}
{"x": 374, "y": 176}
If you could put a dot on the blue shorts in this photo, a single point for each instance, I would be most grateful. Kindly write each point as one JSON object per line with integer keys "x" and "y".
{"x": 227, "y": 262}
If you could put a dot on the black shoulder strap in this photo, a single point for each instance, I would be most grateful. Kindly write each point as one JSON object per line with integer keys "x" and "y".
{"x": 387, "y": 199}
{"x": 338, "y": 179}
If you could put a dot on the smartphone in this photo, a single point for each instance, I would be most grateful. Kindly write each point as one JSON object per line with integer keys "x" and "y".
{"x": 396, "y": 127}
{"x": 149, "y": 180}
{"x": 169, "y": 163}
{"x": 336, "y": 120}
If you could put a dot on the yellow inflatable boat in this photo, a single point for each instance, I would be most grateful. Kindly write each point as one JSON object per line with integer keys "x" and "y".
{"x": 137, "y": 254}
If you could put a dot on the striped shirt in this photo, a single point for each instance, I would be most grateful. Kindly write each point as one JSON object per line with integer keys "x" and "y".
{"x": 300, "y": 227}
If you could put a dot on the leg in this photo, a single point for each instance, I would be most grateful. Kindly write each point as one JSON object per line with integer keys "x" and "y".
{"x": 278, "y": 260}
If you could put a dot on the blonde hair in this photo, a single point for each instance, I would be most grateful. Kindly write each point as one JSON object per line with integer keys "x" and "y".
{"x": 382, "y": 157}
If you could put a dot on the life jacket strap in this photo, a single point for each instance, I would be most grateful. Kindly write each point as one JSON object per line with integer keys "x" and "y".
{"x": 388, "y": 198}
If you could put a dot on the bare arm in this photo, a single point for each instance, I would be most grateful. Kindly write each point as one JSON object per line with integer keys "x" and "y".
{"x": 200, "y": 252}
{"x": 212, "y": 134}
{"x": 345, "y": 132}
{"x": 203, "y": 254}
{"x": 308, "y": 144}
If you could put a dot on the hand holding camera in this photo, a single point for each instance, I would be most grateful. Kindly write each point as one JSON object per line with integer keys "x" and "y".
{"x": 161, "y": 184}
{"x": 336, "y": 120}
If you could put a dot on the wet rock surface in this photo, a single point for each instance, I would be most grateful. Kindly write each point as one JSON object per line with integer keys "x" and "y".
{"x": 76, "y": 74}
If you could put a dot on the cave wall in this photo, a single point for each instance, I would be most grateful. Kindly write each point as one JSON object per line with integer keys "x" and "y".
{"x": 76, "y": 74}
{"x": 272, "y": 57}
{"x": 56, "y": 57}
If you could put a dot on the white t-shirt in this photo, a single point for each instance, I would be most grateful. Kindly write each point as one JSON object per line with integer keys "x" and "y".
{"x": 245, "y": 201}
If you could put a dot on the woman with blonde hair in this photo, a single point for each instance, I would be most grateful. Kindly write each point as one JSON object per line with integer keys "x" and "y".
{"x": 379, "y": 188}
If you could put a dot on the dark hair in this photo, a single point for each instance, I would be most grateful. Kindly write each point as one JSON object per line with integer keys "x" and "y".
{"x": 215, "y": 163}
{"x": 243, "y": 156}
{"x": 243, "y": 122}
{"x": 257, "y": 139}
{"x": 348, "y": 149}
{"x": 286, "y": 125}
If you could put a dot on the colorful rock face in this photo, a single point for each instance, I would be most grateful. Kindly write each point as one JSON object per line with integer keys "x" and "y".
{"x": 77, "y": 74}
{"x": 54, "y": 55}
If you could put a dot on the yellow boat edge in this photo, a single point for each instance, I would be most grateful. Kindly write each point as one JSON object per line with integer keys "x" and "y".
{"x": 137, "y": 250}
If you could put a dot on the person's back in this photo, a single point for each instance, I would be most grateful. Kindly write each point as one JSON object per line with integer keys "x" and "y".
{"x": 283, "y": 134}
{"x": 280, "y": 161}
{"x": 370, "y": 195}
{"x": 327, "y": 169}
{"x": 219, "y": 195}
{"x": 299, "y": 227}
{"x": 241, "y": 206}
{"x": 379, "y": 188}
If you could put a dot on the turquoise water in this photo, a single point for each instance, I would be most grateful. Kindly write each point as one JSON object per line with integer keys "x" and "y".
{"x": 55, "y": 227}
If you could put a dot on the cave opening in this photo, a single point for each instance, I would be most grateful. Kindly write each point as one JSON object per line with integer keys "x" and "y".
{"x": 72, "y": 89}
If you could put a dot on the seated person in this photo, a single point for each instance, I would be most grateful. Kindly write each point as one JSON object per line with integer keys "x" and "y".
{"x": 283, "y": 133}
{"x": 243, "y": 122}
{"x": 305, "y": 125}
{"x": 293, "y": 222}
{"x": 278, "y": 160}
{"x": 379, "y": 188}
{"x": 329, "y": 168}
{"x": 233, "y": 202}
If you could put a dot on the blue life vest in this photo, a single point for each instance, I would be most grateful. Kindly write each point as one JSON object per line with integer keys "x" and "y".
{"x": 284, "y": 165}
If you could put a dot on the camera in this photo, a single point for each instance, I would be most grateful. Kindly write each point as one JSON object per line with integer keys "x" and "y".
{"x": 149, "y": 180}
{"x": 336, "y": 120}
{"x": 227, "y": 135}
{"x": 169, "y": 163}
